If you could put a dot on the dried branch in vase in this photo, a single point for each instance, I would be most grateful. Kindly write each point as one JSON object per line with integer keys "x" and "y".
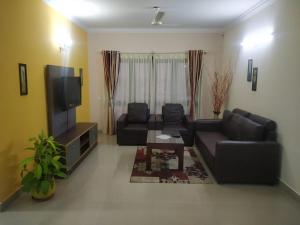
{"x": 220, "y": 86}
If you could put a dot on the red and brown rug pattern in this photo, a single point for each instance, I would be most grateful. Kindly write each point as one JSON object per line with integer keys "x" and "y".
{"x": 164, "y": 168}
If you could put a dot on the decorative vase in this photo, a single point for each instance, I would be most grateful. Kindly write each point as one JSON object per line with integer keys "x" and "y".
{"x": 43, "y": 197}
{"x": 216, "y": 115}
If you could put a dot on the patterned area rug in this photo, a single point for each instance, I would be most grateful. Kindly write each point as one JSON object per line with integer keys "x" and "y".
{"x": 164, "y": 168}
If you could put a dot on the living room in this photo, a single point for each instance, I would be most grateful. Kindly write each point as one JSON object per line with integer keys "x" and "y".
{"x": 119, "y": 177}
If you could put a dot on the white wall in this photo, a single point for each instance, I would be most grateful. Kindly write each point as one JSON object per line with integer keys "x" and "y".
{"x": 278, "y": 93}
{"x": 141, "y": 42}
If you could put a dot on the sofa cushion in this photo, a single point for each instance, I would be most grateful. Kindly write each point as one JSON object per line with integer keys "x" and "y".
{"x": 269, "y": 127}
{"x": 241, "y": 112}
{"x": 138, "y": 113}
{"x": 226, "y": 121}
{"x": 250, "y": 131}
{"x": 232, "y": 128}
{"x": 240, "y": 128}
{"x": 209, "y": 140}
{"x": 136, "y": 127}
{"x": 173, "y": 113}
{"x": 267, "y": 123}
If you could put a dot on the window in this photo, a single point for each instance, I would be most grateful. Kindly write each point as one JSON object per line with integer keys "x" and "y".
{"x": 155, "y": 79}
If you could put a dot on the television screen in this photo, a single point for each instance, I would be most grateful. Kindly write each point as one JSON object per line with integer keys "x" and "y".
{"x": 71, "y": 92}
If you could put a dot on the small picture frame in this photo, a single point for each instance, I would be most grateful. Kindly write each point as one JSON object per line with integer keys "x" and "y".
{"x": 81, "y": 75}
{"x": 254, "y": 79}
{"x": 249, "y": 72}
{"x": 23, "y": 79}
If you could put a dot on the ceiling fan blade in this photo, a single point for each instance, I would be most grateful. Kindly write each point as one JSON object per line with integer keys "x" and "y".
{"x": 159, "y": 15}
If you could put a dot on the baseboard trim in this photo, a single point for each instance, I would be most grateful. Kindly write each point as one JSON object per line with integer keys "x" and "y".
{"x": 290, "y": 190}
{"x": 10, "y": 199}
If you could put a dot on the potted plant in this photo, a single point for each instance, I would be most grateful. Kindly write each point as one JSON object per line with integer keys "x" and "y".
{"x": 221, "y": 82}
{"x": 44, "y": 166}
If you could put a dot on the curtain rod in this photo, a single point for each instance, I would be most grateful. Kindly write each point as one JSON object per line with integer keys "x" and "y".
{"x": 204, "y": 52}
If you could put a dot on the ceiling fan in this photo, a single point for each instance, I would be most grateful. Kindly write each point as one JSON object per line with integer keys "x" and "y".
{"x": 157, "y": 18}
{"x": 158, "y": 15}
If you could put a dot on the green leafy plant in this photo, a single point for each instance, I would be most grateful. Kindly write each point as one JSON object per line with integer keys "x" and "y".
{"x": 45, "y": 165}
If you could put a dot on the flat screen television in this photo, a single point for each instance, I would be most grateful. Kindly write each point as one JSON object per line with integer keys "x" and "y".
{"x": 71, "y": 92}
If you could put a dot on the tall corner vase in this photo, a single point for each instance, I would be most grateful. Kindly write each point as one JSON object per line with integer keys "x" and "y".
{"x": 216, "y": 115}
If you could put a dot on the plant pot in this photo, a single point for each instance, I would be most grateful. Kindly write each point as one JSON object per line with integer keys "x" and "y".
{"x": 43, "y": 197}
{"x": 216, "y": 115}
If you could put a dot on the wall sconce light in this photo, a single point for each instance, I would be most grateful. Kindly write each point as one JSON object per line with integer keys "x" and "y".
{"x": 258, "y": 38}
{"x": 65, "y": 43}
{"x": 63, "y": 39}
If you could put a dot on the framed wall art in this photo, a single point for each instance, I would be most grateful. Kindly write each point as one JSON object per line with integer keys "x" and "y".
{"x": 81, "y": 75}
{"x": 254, "y": 79}
{"x": 23, "y": 79}
{"x": 249, "y": 72}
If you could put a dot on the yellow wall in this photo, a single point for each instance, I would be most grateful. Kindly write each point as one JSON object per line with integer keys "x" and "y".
{"x": 27, "y": 36}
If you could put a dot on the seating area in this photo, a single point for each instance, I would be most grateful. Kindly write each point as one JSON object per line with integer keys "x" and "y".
{"x": 240, "y": 148}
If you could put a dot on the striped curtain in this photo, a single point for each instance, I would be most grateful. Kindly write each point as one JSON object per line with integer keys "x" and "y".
{"x": 195, "y": 72}
{"x": 111, "y": 64}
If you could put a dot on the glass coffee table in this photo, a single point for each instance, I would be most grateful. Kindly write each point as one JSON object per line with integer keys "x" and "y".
{"x": 175, "y": 143}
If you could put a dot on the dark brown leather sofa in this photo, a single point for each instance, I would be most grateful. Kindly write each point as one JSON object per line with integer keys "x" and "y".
{"x": 240, "y": 148}
{"x": 173, "y": 120}
{"x": 132, "y": 127}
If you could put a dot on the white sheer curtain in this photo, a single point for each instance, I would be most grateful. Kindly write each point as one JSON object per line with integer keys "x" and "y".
{"x": 135, "y": 81}
{"x": 154, "y": 79}
{"x": 170, "y": 80}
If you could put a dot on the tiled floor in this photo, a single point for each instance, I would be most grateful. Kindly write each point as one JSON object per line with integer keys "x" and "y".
{"x": 99, "y": 192}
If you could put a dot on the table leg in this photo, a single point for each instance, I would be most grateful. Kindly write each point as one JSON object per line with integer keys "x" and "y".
{"x": 180, "y": 154}
{"x": 148, "y": 158}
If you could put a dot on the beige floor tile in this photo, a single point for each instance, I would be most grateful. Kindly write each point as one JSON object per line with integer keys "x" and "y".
{"x": 99, "y": 192}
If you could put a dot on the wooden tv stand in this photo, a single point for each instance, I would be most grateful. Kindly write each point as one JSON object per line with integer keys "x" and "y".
{"x": 77, "y": 142}
{"x": 77, "y": 139}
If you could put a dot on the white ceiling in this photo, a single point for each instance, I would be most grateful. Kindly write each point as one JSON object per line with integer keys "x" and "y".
{"x": 138, "y": 14}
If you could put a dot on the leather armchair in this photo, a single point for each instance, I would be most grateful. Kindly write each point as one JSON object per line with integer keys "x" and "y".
{"x": 173, "y": 119}
{"x": 132, "y": 127}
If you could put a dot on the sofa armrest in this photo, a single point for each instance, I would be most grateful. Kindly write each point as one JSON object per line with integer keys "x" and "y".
{"x": 159, "y": 122}
{"x": 189, "y": 122}
{"x": 122, "y": 121}
{"x": 208, "y": 125}
{"x": 247, "y": 162}
{"x": 151, "y": 122}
